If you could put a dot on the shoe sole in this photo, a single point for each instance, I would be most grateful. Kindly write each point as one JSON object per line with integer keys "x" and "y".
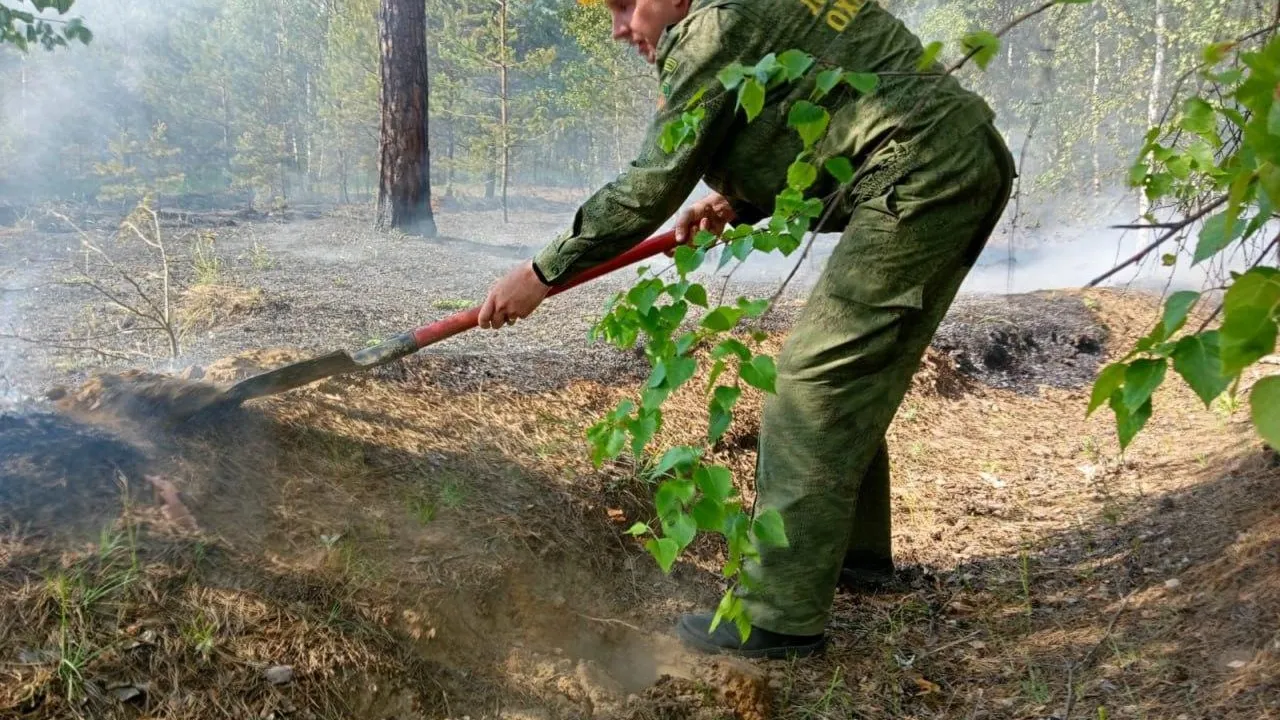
{"x": 696, "y": 642}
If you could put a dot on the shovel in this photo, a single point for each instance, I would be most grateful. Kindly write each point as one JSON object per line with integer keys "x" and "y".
{"x": 341, "y": 362}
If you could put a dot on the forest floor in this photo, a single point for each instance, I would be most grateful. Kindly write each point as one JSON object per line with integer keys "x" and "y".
{"x": 431, "y": 541}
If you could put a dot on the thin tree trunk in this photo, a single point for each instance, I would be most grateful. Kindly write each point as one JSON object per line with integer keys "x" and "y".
{"x": 1097, "y": 116}
{"x": 1153, "y": 102}
{"x": 448, "y": 170}
{"x": 506, "y": 130}
{"x": 404, "y": 170}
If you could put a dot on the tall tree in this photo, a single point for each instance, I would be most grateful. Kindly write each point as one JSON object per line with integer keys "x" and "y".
{"x": 404, "y": 171}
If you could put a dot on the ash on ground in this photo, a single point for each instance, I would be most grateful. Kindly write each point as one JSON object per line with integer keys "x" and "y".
{"x": 1021, "y": 342}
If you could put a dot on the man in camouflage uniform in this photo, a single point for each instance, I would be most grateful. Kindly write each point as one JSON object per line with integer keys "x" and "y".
{"x": 934, "y": 178}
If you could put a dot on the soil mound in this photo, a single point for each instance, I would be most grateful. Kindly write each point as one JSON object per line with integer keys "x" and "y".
{"x": 1021, "y": 342}
{"x": 55, "y": 471}
{"x": 142, "y": 397}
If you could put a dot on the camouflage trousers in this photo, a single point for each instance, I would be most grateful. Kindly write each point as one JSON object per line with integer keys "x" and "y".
{"x": 846, "y": 366}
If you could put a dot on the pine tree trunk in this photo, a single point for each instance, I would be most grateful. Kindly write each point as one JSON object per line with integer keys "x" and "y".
{"x": 404, "y": 167}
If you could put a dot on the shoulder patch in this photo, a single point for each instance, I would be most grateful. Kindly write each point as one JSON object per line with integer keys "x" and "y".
{"x": 669, "y": 65}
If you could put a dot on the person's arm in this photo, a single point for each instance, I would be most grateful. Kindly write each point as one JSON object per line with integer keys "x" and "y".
{"x": 638, "y": 202}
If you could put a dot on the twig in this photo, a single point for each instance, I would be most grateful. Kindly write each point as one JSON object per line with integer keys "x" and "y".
{"x": 611, "y": 621}
{"x": 1261, "y": 257}
{"x": 949, "y": 645}
{"x": 1088, "y": 658}
{"x": 58, "y": 345}
{"x": 1138, "y": 256}
{"x": 1047, "y": 79}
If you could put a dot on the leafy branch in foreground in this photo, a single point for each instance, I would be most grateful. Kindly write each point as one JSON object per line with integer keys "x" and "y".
{"x": 22, "y": 27}
{"x": 1218, "y": 161}
{"x": 692, "y": 494}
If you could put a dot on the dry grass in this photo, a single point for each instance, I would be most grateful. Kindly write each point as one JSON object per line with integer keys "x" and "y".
{"x": 375, "y": 528}
{"x": 207, "y": 306}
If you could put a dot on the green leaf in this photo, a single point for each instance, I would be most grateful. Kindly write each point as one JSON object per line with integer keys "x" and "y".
{"x": 795, "y": 63}
{"x": 679, "y": 370}
{"x": 1214, "y": 53}
{"x": 826, "y": 82}
{"x": 672, "y": 496}
{"x": 617, "y": 440}
{"x": 731, "y": 346}
{"x": 727, "y": 395}
{"x": 1138, "y": 174}
{"x": 715, "y": 482}
{"x": 801, "y": 175}
{"x": 809, "y": 120}
{"x": 767, "y": 68}
{"x": 751, "y": 98}
{"x": 929, "y": 56}
{"x": 768, "y": 528}
{"x": 1248, "y": 328}
{"x": 642, "y": 430}
{"x": 1269, "y": 178}
{"x": 1141, "y": 380}
{"x": 1273, "y": 122}
{"x": 688, "y": 259}
{"x": 1129, "y": 424}
{"x": 1264, "y": 408}
{"x": 719, "y": 418}
{"x": 1195, "y": 358}
{"x": 1109, "y": 381}
{"x": 664, "y": 550}
{"x": 1202, "y": 153}
{"x": 652, "y": 398}
{"x": 983, "y": 44}
{"x": 728, "y": 609}
{"x": 865, "y": 83}
{"x": 682, "y": 528}
{"x": 638, "y": 529}
{"x": 696, "y": 294}
{"x": 676, "y": 457}
{"x": 721, "y": 319}
{"x": 1176, "y": 309}
{"x": 840, "y": 168}
{"x": 760, "y": 373}
{"x": 1216, "y": 235}
{"x": 753, "y": 308}
{"x": 708, "y": 514}
{"x": 1197, "y": 117}
{"x": 732, "y": 76}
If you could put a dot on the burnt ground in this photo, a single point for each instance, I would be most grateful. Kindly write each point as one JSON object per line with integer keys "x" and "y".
{"x": 318, "y": 281}
{"x": 431, "y": 541}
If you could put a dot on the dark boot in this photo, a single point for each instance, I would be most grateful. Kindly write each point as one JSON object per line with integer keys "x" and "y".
{"x": 866, "y": 574}
{"x": 695, "y": 632}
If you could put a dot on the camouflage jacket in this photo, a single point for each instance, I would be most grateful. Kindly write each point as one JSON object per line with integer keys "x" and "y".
{"x": 747, "y": 162}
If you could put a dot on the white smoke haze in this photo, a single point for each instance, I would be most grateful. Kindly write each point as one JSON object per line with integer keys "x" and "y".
{"x": 61, "y": 108}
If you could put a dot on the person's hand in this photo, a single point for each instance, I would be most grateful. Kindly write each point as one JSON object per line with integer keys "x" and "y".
{"x": 711, "y": 213}
{"x": 513, "y": 297}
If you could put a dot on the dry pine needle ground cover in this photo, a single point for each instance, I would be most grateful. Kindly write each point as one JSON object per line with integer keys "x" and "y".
{"x": 382, "y": 546}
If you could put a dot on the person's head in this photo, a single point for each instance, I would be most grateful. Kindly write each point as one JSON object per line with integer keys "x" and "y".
{"x": 641, "y": 22}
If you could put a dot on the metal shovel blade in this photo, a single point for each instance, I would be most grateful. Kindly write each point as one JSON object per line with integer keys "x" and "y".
{"x": 303, "y": 373}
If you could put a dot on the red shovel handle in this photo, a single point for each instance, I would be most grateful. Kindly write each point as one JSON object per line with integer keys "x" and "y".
{"x": 467, "y": 319}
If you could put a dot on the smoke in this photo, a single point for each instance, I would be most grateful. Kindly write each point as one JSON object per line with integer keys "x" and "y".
{"x": 1041, "y": 247}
